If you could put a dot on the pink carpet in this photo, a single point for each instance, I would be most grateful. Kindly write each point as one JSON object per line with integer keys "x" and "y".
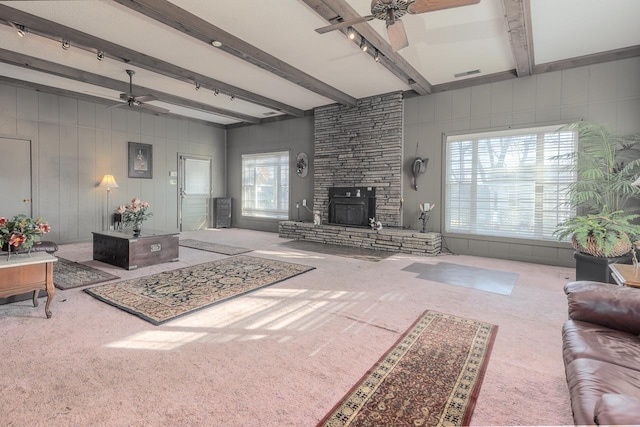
{"x": 281, "y": 356}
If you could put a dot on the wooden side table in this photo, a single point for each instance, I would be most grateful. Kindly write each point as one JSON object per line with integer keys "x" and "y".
{"x": 23, "y": 273}
{"x": 625, "y": 275}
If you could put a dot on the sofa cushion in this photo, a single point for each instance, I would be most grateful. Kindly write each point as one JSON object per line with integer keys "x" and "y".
{"x": 617, "y": 409}
{"x": 589, "y": 379}
{"x": 588, "y": 340}
{"x": 617, "y": 307}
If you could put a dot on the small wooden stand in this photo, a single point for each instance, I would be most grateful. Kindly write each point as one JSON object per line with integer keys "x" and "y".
{"x": 626, "y": 275}
{"x": 24, "y": 273}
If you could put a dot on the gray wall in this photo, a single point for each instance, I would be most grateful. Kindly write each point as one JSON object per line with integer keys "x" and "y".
{"x": 607, "y": 93}
{"x": 295, "y": 135}
{"x": 75, "y": 143}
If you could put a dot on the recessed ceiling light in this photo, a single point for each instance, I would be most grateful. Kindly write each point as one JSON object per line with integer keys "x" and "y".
{"x": 216, "y": 43}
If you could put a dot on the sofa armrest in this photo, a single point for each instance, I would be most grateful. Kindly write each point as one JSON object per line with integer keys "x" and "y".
{"x": 613, "y": 306}
{"x": 617, "y": 409}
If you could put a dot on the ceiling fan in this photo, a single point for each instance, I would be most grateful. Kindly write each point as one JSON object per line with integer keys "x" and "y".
{"x": 133, "y": 100}
{"x": 392, "y": 10}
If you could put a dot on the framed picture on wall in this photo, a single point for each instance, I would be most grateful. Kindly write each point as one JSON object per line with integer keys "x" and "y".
{"x": 140, "y": 160}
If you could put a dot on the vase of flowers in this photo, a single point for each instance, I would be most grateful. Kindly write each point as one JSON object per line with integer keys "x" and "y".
{"x": 134, "y": 214}
{"x": 20, "y": 232}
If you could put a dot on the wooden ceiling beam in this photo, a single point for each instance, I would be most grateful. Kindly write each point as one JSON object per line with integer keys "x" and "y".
{"x": 518, "y": 20}
{"x": 394, "y": 62}
{"x": 581, "y": 61}
{"x": 95, "y": 99}
{"x": 57, "y": 31}
{"x": 37, "y": 64}
{"x": 181, "y": 20}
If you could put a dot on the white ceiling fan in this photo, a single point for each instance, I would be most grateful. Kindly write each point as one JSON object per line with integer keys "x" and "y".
{"x": 139, "y": 101}
{"x": 391, "y": 11}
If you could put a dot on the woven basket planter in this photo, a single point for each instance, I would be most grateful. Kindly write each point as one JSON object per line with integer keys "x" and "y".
{"x": 619, "y": 249}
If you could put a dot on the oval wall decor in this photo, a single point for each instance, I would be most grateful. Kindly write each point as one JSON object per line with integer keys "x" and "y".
{"x": 302, "y": 164}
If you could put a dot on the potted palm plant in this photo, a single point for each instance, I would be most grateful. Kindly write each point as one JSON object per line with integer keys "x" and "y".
{"x": 605, "y": 195}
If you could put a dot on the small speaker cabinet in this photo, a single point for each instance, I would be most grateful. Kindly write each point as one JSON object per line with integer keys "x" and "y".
{"x": 222, "y": 212}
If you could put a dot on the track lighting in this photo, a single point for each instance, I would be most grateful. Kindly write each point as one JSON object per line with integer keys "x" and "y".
{"x": 65, "y": 44}
{"x": 363, "y": 45}
{"x": 233, "y": 97}
{"x": 216, "y": 92}
{"x": 20, "y": 29}
{"x": 100, "y": 55}
{"x": 351, "y": 33}
{"x": 197, "y": 86}
{"x": 376, "y": 56}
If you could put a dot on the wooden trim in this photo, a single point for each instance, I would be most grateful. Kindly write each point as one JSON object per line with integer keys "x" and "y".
{"x": 187, "y": 23}
{"x": 581, "y": 61}
{"x": 476, "y": 81}
{"x": 95, "y": 99}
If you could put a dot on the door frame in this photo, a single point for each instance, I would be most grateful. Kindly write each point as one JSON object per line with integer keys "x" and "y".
{"x": 33, "y": 188}
{"x": 182, "y": 156}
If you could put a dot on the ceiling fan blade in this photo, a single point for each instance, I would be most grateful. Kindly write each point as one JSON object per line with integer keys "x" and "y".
{"x": 145, "y": 98}
{"x": 423, "y": 6}
{"x": 344, "y": 24}
{"x": 397, "y": 35}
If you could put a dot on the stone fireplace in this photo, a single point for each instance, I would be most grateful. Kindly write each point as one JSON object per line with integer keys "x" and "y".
{"x": 352, "y": 206}
{"x": 359, "y": 147}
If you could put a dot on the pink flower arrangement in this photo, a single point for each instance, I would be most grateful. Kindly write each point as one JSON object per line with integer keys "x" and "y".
{"x": 135, "y": 212}
{"x": 21, "y": 230}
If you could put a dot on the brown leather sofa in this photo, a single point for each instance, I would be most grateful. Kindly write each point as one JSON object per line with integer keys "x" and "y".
{"x": 601, "y": 350}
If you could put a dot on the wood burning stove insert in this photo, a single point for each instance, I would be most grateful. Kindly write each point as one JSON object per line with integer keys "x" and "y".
{"x": 352, "y": 206}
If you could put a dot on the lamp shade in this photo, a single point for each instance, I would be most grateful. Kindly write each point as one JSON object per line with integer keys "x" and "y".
{"x": 109, "y": 181}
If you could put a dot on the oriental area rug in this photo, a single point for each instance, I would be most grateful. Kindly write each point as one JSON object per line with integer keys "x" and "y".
{"x": 213, "y": 247}
{"x": 430, "y": 377}
{"x": 68, "y": 274}
{"x": 168, "y": 295}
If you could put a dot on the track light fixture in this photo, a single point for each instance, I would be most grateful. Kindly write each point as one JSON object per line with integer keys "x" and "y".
{"x": 351, "y": 33}
{"x": 65, "y": 44}
{"x": 363, "y": 45}
{"x": 233, "y": 97}
{"x": 197, "y": 86}
{"x": 20, "y": 29}
{"x": 100, "y": 55}
{"x": 376, "y": 56}
{"x": 216, "y": 92}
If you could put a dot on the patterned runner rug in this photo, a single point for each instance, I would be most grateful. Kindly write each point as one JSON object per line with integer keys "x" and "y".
{"x": 430, "y": 377}
{"x": 68, "y": 274}
{"x": 213, "y": 247}
{"x": 165, "y": 296}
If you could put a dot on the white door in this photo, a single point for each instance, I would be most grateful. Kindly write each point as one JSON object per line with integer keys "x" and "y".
{"x": 194, "y": 189}
{"x": 15, "y": 177}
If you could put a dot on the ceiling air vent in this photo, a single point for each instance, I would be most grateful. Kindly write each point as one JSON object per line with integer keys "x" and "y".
{"x": 269, "y": 113}
{"x": 466, "y": 73}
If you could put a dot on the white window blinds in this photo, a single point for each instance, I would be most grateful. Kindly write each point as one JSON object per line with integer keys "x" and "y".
{"x": 508, "y": 183}
{"x": 265, "y": 185}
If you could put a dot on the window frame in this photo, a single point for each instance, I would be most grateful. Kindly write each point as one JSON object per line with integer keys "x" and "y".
{"x": 280, "y": 211}
{"x": 542, "y": 235}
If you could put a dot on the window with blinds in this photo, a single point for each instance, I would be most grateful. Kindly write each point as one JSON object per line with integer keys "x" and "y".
{"x": 508, "y": 183}
{"x": 265, "y": 185}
